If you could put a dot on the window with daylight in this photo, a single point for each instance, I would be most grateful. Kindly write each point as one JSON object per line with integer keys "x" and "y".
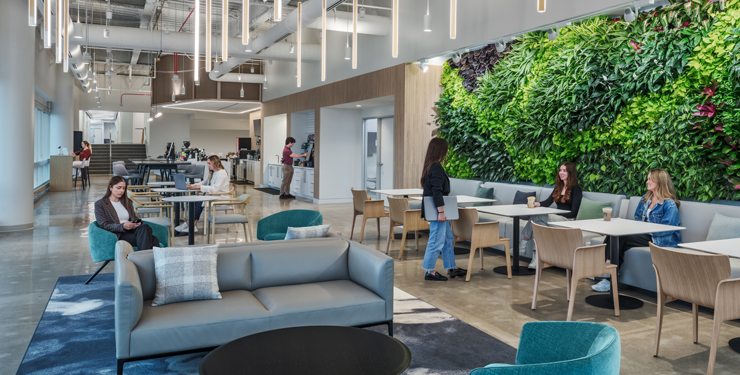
{"x": 41, "y": 150}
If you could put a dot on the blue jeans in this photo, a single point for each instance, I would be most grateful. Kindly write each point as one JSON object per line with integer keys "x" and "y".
{"x": 440, "y": 241}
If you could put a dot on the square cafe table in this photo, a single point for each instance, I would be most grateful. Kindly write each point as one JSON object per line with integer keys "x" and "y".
{"x": 615, "y": 228}
{"x": 401, "y": 192}
{"x": 729, "y": 247}
{"x": 465, "y": 199}
{"x": 516, "y": 211}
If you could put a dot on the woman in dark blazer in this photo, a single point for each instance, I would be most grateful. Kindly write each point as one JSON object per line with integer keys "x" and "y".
{"x": 436, "y": 184}
{"x": 116, "y": 214}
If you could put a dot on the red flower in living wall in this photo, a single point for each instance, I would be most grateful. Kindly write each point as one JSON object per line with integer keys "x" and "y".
{"x": 686, "y": 24}
{"x": 708, "y": 109}
{"x": 635, "y": 46}
{"x": 720, "y": 127}
{"x": 710, "y": 91}
{"x": 659, "y": 28}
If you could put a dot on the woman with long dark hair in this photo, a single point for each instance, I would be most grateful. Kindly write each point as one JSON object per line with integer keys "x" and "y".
{"x": 437, "y": 185}
{"x": 115, "y": 213}
{"x": 567, "y": 194}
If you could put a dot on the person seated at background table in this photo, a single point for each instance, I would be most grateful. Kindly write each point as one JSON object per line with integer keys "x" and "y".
{"x": 660, "y": 206}
{"x": 84, "y": 155}
{"x": 217, "y": 182}
{"x": 567, "y": 194}
{"x": 115, "y": 213}
{"x": 436, "y": 184}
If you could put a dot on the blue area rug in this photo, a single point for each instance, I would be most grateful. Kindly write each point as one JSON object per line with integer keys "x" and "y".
{"x": 76, "y": 336}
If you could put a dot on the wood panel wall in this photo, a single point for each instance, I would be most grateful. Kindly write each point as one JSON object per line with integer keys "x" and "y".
{"x": 414, "y": 96}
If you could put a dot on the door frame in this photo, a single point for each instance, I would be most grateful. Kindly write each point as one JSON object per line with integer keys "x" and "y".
{"x": 379, "y": 149}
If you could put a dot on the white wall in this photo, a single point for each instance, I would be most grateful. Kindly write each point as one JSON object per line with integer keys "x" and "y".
{"x": 479, "y": 21}
{"x": 274, "y": 130}
{"x": 340, "y": 154}
{"x": 380, "y": 111}
{"x": 168, "y": 128}
{"x": 216, "y": 141}
{"x": 126, "y": 128}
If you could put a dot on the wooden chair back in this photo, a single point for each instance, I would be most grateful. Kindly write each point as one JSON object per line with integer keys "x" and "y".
{"x": 556, "y": 246}
{"x": 690, "y": 277}
{"x": 462, "y": 228}
{"x": 358, "y": 198}
{"x": 398, "y": 208}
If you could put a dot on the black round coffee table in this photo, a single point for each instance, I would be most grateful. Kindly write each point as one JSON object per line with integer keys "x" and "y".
{"x": 324, "y": 350}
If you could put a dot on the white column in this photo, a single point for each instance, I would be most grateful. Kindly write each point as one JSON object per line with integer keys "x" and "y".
{"x": 16, "y": 110}
{"x": 62, "y": 114}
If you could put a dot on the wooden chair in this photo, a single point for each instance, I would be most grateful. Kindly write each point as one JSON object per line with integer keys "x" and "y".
{"x": 701, "y": 279}
{"x": 400, "y": 214}
{"x": 561, "y": 247}
{"x": 243, "y": 219}
{"x": 223, "y": 208}
{"x": 480, "y": 235}
{"x": 369, "y": 209}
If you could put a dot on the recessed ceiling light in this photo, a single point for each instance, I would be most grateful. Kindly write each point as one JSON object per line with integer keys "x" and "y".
{"x": 359, "y": 105}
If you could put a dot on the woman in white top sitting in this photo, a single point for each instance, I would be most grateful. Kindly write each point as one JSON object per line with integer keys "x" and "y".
{"x": 217, "y": 182}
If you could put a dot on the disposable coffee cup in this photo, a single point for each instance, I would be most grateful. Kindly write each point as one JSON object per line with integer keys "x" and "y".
{"x": 530, "y": 202}
{"x": 607, "y": 213}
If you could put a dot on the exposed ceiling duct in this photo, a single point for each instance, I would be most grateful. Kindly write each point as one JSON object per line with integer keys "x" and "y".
{"x": 342, "y": 21}
{"x": 245, "y": 78}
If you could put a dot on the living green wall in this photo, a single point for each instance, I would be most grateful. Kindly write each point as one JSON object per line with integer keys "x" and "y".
{"x": 616, "y": 98}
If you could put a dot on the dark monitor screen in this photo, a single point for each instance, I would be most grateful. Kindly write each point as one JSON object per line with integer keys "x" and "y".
{"x": 309, "y": 157}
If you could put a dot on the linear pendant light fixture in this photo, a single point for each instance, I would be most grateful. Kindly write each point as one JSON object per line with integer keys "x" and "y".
{"x": 453, "y": 19}
{"x": 60, "y": 15}
{"x": 209, "y": 63}
{"x": 298, "y": 35}
{"x": 47, "y": 24}
{"x": 278, "y": 11}
{"x": 541, "y": 5}
{"x": 32, "y": 17}
{"x": 196, "y": 39}
{"x": 428, "y": 20}
{"x": 323, "y": 40}
{"x": 394, "y": 37}
{"x": 245, "y": 22}
{"x": 65, "y": 17}
{"x": 225, "y": 31}
{"x": 354, "y": 34}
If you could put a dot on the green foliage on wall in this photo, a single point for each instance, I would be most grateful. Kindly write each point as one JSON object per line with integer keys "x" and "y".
{"x": 616, "y": 98}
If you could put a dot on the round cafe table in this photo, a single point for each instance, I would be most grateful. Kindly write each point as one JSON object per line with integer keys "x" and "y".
{"x": 191, "y": 200}
{"x": 319, "y": 350}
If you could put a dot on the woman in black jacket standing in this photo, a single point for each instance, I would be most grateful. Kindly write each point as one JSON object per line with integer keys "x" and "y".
{"x": 436, "y": 184}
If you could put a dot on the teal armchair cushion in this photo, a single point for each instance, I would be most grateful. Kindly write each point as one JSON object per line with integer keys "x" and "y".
{"x": 275, "y": 236}
{"x": 103, "y": 243}
{"x": 278, "y": 223}
{"x": 579, "y": 348}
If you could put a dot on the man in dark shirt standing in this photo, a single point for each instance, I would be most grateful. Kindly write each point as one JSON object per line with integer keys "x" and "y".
{"x": 288, "y": 156}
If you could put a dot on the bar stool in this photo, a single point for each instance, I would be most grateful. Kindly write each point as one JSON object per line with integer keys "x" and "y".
{"x": 82, "y": 171}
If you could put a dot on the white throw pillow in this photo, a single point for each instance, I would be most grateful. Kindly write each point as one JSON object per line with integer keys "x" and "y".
{"x": 307, "y": 232}
{"x": 185, "y": 274}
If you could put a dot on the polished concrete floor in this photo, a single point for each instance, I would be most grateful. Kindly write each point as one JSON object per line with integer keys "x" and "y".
{"x": 31, "y": 262}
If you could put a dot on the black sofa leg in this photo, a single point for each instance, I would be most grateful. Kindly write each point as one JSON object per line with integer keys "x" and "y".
{"x": 390, "y": 328}
{"x": 119, "y": 367}
{"x": 97, "y": 272}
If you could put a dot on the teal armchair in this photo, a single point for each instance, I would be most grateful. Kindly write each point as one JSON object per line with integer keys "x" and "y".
{"x": 575, "y": 348}
{"x": 274, "y": 227}
{"x": 103, "y": 243}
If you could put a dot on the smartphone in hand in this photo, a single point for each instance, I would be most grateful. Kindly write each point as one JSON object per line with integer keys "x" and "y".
{"x": 137, "y": 221}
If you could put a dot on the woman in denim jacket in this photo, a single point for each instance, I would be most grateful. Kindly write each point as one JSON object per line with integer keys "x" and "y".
{"x": 660, "y": 206}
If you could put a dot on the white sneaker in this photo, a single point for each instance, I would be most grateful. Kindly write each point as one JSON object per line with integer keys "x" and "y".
{"x": 533, "y": 263}
{"x": 603, "y": 286}
{"x": 182, "y": 228}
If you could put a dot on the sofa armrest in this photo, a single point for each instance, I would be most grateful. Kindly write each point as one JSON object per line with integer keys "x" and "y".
{"x": 372, "y": 270}
{"x": 129, "y": 298}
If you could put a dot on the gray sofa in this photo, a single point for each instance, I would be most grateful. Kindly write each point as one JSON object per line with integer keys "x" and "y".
{"x": 264, "y": 286}
{"x": 637, "y": 269}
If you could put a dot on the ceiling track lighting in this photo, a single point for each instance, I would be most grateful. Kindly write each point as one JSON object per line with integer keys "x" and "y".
{"x": 427, "y": 20}
{"x": 32, "y": 16}
{"x": 552, "y": 34}
{"x": 225, "y": 30}
{"x": 541, "y": 6}
{"x": 423, "y": 66}
{"x": 278, "y": 11}
{"x": 500, "y": 47}
{"x": 209, "y": 62}
{"x": 299, "y": 36}
{"x": 323, "y": 40}
{"x": 629, "y": 15}
{"x": 245, "y": 23}
{"x": 354, "y": 34}
{"x": 196, "y": 42}
{"x": 453, "y": 19}
{"x": 394, "y": 36}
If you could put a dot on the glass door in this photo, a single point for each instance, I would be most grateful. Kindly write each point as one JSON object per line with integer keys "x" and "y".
{"x": 377, "y": 155}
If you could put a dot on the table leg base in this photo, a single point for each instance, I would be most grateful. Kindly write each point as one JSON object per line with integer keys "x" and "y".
{"x": 461, "y": 250}
{"x": 523, "y": 271}
{"x": 409, "y": 236}
{"x": 735, "y": 344}
{"x": 606, "y": 301}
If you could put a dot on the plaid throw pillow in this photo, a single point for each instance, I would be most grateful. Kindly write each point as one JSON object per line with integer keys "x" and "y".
{"x": 307, "y": 232}
{"x": 185, "y": 274}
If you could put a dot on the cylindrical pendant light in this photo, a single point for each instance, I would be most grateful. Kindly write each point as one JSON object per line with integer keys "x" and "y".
{"x": 225, "y": 31}
{"x": 323, "y": 40}
{"x": 428, "y": 20}
{"x": 354, "y": 34}
{"x": 209, "y": 63}
{"x": 394, "y": 37}
{"x": 278, "y": 11}
{"x": 32, "y": 17}
{"x": 298, "y": 36}
{"x": 47, "y": 24}
{"x": 453, "y": 19}
{"x": 541, "y": 5}
{"x": 65, "y": 50}
{"x": 245, "y": 22}
{"x": 196, "y": 38}
{"x": 60, "y": 15}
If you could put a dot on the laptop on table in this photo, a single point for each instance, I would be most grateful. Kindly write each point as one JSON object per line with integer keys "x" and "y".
{"x": 181, "y": 182}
